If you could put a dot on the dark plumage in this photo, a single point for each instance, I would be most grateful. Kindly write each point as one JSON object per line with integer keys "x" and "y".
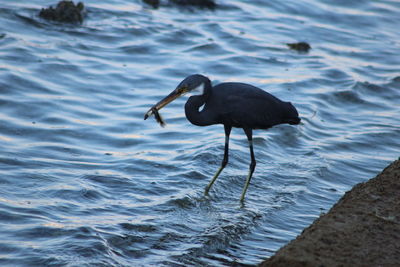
{"x": 233, "y": 105}
{"x": 239, "y": 105}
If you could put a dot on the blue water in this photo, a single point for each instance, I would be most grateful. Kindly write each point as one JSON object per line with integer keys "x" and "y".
{"x": 85, "y": 181}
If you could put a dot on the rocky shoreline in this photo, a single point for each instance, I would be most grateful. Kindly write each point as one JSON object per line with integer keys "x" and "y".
{"x": 361, "y": 229}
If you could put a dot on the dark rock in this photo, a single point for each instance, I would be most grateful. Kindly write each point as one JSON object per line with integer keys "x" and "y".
{"x": 301, "y": 46}
{"x": 184, "y": 3}
{"x": 153, "y": 3}
{"x": 199, "y": 3}
{"x": 65, "y": 11}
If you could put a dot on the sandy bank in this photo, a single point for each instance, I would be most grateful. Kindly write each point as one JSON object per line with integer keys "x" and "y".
{"x": 361, "y": 229}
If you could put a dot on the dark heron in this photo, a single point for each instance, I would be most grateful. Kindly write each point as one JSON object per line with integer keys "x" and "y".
{"x": 233, "y": 105}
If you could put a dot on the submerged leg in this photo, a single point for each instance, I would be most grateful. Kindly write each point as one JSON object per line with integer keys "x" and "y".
{"x": 224, "y": 161}
{"x": 249, "y": 133}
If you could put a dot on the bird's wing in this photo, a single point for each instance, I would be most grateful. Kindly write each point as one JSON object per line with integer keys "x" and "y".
{"x": 251, "y": 111}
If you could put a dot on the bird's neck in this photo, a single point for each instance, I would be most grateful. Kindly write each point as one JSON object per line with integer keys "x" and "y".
{"x": 192, "y": 112}
{"x": 194, "y": 103}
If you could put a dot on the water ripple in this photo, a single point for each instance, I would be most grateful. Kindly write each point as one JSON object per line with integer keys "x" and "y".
{"x": 86, "y": 181}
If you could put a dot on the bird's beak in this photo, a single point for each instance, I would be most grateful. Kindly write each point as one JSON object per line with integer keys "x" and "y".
{"x": 166, "y": 100}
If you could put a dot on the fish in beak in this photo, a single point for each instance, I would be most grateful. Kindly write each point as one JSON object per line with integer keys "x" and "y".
{"x": 163, "y": 102}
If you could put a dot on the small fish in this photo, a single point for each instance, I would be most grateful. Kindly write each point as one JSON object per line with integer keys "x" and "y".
{"x": 158, "y": 117}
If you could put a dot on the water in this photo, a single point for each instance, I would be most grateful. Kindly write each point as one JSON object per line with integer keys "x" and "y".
{"x": 85, "y": 181}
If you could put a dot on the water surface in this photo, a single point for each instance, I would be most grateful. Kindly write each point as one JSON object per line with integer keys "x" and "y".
{"x": 85, "y": 181}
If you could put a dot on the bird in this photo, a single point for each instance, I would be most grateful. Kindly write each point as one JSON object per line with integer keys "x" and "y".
{"x": 232, "y": 104}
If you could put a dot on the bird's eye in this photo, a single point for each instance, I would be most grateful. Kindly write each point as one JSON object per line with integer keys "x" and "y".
{"x": 183, "y": 89}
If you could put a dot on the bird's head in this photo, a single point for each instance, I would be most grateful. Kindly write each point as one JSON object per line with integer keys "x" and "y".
{"x": 196, "y": 84}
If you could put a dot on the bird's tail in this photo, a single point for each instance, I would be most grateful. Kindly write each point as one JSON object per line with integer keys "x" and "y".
{"x": 291, "y": 115}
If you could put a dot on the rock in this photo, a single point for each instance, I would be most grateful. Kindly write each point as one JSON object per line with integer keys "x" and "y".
{"x": 153, "y": 3}
{"x": 301, "y": 46}
{"x": 65, "y": 11}
{"x": 361, "y": 229}
{"x": 199, "y": 3}
{"x": 188, "y": 3}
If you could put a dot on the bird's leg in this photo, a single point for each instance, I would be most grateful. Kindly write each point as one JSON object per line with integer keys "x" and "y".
{"x": 224, "y": 161}
{"x": 249, "y": 133}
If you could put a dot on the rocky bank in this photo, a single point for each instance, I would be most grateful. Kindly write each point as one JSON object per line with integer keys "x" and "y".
{"x": 361, "y": 229}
